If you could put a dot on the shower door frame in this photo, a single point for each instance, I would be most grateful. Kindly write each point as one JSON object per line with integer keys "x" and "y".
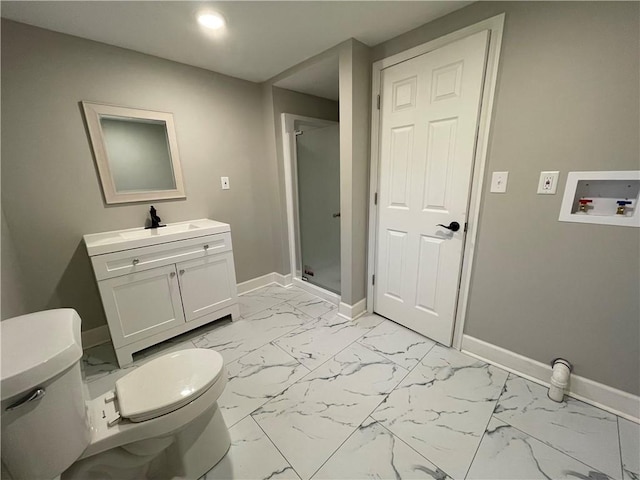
{"x": 290, "y": 156}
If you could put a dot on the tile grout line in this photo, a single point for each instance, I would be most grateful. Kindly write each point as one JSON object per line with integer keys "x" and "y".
{"x": 368, "y": 415}
{"x": 274, "y": 445}
{"x": 410, "y": 369}
{"x": 379, "y": 403}
{"x": 338, "y": 352}
{"x": 544, "y": 442}
{"x": 620, "y": 447}
{"x": 286, "y": 353}
{"x": 243, "y": 317}
{"x": 484, "y": 431}
{"x": 386, "y": 395}
{"x": 294, "y": 358}
{"x": 275, "y": 395}
{"x": 413, "y": 449}
{"x": 269, "y": 342}
{"x": 337, "y": 448}
{"x": 552, "y": 447}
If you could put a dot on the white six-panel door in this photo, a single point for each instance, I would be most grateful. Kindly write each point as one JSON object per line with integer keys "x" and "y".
{"x": 430, "y": 107}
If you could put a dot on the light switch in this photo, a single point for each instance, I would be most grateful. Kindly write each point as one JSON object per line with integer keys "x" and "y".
{"x": 548, "y": 183}
{"x": 225, "y": 183}
{"x": 499, "y": 182}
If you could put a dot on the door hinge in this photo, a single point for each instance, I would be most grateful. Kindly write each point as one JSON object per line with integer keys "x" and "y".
{"x": 375, "y": 198}
{"x": 378, "y": 102}
{"x": 373, "y": 279}
{"x": 465, "y": 226}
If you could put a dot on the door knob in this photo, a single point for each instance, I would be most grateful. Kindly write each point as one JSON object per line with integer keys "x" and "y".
{"x": 336, "y": 215}
{"x": 453, "y": 226}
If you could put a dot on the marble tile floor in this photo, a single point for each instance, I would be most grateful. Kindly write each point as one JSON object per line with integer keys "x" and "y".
{"x": 311, "y": 395}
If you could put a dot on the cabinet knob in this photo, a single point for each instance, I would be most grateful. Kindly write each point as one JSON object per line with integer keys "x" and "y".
{"x": 181, "y": 272}
{"x": 135, "y": 261}
{"x": 206, "y": 247}
{"x": 172, "y": 274}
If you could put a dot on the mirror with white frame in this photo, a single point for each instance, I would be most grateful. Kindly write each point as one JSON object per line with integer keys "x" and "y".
{"x": 136, "y": 153}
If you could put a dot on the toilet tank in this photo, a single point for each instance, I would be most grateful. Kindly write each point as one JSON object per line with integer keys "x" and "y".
{"x": 41, "y": 355}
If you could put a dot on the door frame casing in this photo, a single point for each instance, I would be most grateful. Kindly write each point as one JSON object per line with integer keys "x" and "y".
{"x": 495, "y": 25}
{"x": 288, "y": 124}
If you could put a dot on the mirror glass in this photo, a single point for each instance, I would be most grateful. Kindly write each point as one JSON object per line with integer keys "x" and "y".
{"x": 136, "y": 153}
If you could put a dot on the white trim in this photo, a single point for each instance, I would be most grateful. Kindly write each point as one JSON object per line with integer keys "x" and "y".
{"x": 602, "y": 396}
{"x": 495, "y": 25}
{"x": 289, "y": 157}
{"x": 263, "y": 281}
{"x": 568, "y": 199}
{"x": 317, "y": 291}
{"x": 255, "y": 283}
{"x": 351, "y": 312}
{"x": 282, "y": 280}
{"x": 93, "y": 112}
{"x": 95, "y": 336}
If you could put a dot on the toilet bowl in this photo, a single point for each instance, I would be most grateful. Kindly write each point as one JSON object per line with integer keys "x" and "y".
{"x": 160, "y": 421}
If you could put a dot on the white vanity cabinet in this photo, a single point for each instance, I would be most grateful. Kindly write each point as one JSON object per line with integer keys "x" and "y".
{"x": 155, "y": 292}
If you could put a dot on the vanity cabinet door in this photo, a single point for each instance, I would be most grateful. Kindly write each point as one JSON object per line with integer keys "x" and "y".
{"x": 207, "y": 284}
{"x": 142, "y": 304}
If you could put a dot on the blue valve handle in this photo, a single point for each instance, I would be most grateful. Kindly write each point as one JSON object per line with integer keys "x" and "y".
{"x": 623, "y": 202}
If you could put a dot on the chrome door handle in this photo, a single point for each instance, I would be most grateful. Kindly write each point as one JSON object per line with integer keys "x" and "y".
{"x": 206, "y": 247}
{"x": 181, "y": 272}
{"x": 37, "y": 394}
{"x": 135, "y": 261}
{"x": 453, "y": 226}
{"x": 172, "y": 274}
{"x": 336, "y": 215}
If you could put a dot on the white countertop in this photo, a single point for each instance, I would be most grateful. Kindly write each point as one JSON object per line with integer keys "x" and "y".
{"x": 118, "y": 240}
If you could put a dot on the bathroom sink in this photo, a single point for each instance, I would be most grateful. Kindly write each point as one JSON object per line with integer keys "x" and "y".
{"x": 108, "y": 242}
{"x": 158, "y": 232}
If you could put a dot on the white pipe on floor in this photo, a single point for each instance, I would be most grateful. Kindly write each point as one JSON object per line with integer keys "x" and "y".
{"x": 559, "y": 379}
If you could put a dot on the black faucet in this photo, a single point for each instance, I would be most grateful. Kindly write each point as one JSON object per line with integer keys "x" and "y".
{"x": 155, "y": 219}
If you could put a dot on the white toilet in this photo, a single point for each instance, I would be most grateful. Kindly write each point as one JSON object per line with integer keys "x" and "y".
{"x": 161, "y": 421}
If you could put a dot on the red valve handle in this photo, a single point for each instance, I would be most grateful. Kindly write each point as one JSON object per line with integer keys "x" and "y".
{"x": 584, "y": 201}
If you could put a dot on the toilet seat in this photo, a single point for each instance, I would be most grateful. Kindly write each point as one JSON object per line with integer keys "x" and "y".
{"x": 167, "y": 383}
{"x": 110, "y": 429}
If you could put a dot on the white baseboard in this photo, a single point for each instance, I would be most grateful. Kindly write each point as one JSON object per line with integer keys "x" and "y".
{"x": 354, "y": 311}
{"x": 282, "y": 280}
{"x": 255, "y": 283}
{"x": 263, "y": 281}
{"x": 95, "y": 336}
{"x": 597, "y": 394}
{"x": 317, "y": 291}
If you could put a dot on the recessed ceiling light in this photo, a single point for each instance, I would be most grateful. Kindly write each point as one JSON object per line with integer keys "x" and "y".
{"x": 211, "y": 20}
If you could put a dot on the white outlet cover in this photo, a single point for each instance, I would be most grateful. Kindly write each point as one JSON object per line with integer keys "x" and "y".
{"x": 499, "y": 182}
{"x": 548, "y": 183}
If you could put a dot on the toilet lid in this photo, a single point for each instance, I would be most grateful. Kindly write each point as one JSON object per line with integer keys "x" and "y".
{"x": 167, "y": 383}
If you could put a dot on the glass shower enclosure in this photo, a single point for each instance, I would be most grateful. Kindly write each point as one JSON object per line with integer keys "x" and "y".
{"x": 317, "y": 178}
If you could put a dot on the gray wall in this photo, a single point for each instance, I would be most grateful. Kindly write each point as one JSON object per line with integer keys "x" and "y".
{"x": 355, "y": 97}
{"x": 12, "y": 299}
{"x": 51, "y": 194}
{"x": 567, "y": 99}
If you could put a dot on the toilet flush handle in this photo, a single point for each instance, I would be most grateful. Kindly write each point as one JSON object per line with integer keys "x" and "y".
{"x": 37, "y": 394}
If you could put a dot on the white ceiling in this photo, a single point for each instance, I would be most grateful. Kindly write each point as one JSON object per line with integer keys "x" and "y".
{"x": 262, "y": 39}
{"x": 319, "y": 79}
